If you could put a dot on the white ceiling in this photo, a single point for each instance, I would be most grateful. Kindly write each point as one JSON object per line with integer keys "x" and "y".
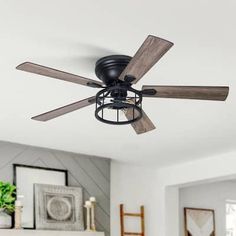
{"x": 71, "y": 35}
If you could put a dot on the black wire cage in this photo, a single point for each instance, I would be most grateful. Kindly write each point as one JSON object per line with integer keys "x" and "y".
{"x": 113, "y": 102}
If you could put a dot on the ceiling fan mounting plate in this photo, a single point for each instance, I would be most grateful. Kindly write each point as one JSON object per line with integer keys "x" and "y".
{"x": 109, "y": 68}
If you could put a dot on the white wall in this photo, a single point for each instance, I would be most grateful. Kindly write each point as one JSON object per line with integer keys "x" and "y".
{"x": 133, "y": 186}
{"x": 210, "y": 196}
{"x": 157, "y": 189}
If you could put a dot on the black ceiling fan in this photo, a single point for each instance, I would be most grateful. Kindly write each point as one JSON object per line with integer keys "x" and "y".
{"x": 118, "y": 73}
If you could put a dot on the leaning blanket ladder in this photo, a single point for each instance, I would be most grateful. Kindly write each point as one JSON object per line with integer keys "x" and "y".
{"x": 124, "y": 214}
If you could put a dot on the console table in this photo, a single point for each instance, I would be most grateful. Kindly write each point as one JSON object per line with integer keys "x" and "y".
{"x": 13, "y": 232}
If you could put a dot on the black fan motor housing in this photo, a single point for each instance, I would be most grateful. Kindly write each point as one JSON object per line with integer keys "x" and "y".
{"x": 109, "y": 68}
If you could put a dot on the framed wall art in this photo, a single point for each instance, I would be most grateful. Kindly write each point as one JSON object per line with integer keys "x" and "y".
{"x": 58, "y": 208}
{"x": 199, "y": 222}
{"x": 25, "y": 177}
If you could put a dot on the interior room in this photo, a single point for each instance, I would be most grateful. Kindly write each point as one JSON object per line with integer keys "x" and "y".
{"x": 117, "y": 118}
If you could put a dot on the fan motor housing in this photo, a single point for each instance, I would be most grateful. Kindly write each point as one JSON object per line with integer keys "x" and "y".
{"x": 109, "y": 68}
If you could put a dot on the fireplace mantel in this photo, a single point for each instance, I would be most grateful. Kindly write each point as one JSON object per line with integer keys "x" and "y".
{"x": 12, "y": 232}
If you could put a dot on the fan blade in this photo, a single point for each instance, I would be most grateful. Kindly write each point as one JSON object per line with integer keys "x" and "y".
{"x": 148, "y": 54}
{"x": 141, "y": 126}
{"x": 65, "y": 109}
{"x": 57, "y": 74}
{"x": 188, "y": 92}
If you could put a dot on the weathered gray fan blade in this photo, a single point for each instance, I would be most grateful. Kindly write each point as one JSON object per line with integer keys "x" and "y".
{"x": 141, "y": 126}
{"x": 65, "y": 109}
{"x": 188, "y": 92}
{"x": 57, "y": 74}
{"x": 151, "y": 51}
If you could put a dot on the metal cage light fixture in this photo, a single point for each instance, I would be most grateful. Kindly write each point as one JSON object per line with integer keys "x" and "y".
{"x": 118, "y": 99}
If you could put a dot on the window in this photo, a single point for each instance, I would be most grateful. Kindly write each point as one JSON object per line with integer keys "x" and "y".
{"x": 230, "y": 218}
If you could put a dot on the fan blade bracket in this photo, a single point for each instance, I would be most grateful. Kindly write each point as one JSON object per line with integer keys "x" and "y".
{"x": 94, "y": 85}
{"x": 129, "y": 78}
{"x": 150, "y": 92}
{"x": 92, "y": 100}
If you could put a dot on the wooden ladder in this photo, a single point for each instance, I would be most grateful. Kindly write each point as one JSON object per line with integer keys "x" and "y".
{"x": 122, "y": 216}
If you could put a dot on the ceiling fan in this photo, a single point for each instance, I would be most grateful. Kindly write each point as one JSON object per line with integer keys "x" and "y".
{"x": 116, "y": 96}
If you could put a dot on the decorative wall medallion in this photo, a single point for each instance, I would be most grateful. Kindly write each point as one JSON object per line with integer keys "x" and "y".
{"x": 58, "y": 207}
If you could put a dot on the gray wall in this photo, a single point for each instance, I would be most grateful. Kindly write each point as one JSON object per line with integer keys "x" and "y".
{"x": 91, "y": 173}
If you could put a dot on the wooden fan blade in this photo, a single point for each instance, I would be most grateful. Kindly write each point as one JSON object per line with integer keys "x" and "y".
{"x": 188, "y": 92}
{"x": 57, "y": 74}
{"x": 141, "y": 126}
{"x": 148, "y": 54}
{"x": 65, "y": 109}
